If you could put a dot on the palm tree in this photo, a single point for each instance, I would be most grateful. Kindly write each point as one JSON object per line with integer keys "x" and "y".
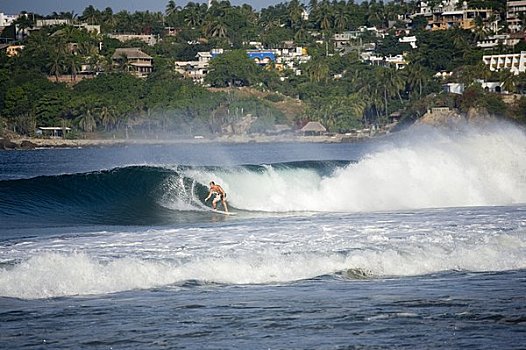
{"x": 392, "y": 83}
{"x": 325, "y": 21}
{"x": 295, "y": 11}
{"x": 376, "y": 15}
{"x": 171, "y": 8}
{"x": 346, "y": 110}
{"x": 72, "y": 16}
{"x": 509, "y": 80}
{"x": 301, "y": 35}
{"x": 86, "y": 121}
{"x": 216, "y": 28}
{"x": 416, "y": 77}
{"x": 73, "y": 64}
{"x": 313, "y": 5}
{"x": 91, "y": 15}
{"x": 56, "y": 66}
{"x": 22, "y": 23}
{"x": 107, "y": 117}
{"x": 317, "y": 71}
{"x": 341, "y": 18}
{"x": 192, "y": 15}
{"x": 108, "y": 19}
{"x": 248, "y": 13}
{"x": 57, "y": 57}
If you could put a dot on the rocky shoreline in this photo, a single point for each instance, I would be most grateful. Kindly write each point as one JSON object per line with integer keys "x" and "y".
{"x": 28, "y": 143}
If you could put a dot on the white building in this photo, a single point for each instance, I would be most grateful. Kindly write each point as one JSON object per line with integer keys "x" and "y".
{"x": 397, "y": 61}
{"x": 513, "y": 62}
{"x": 488, "y": 86}
{"x": 149, "y": 39}
{"x": 513, "y": 14}
{"x": 7, "y": 20}
{"x": 291, "y": 58}
{"x": 411, "y": 40}
{"x": 195, "y": 70}
{"x": 453, "y": 88}
{"x": 51, "y": 22}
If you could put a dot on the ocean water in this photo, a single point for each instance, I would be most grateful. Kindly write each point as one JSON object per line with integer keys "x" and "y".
{"x": 417, "y": 240}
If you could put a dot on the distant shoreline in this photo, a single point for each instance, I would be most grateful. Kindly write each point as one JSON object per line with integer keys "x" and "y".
{"x": 32, "y": 143}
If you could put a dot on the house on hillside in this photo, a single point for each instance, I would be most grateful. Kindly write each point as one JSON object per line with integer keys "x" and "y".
{"x": 515, "y": 63}
{"x": 133, "y": 60}
{"x": 515, "y": 15}
{"x": 313, "y": 129}
{"x": 262, "y": 57}
{"x": 11, "y": 50}
{"x": 463, "y": 19}
{"x": 195, "y": 70}
{"x": 149, "y": 39}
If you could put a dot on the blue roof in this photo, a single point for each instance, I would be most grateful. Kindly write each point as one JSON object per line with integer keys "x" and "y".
{"x": 261, "y": 55}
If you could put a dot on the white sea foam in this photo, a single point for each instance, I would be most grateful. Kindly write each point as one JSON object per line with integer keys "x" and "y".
{"x": 275, "y": 257}
{"x": 52, "y": 274}
{"x": 424, "y": 169}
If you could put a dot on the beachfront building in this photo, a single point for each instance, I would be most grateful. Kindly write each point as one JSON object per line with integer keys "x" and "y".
{"x": 133, "y": 60}
{"x": 515, "y": 63}
{"x": 313, "y": 129}
{"x": 52, "y": 131}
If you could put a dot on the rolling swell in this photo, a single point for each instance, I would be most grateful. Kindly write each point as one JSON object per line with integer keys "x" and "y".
{"x": 135, "y": 195}
{"x": 119, "y": 196}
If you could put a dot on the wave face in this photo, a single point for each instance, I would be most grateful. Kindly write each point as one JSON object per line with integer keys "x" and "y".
{"x": 423, "y": 169}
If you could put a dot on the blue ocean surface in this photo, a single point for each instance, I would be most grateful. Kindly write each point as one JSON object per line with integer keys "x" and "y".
{"x": 416, "y": 240}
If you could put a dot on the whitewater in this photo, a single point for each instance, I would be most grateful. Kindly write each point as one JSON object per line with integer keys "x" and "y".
{"x": 416, "y": 238}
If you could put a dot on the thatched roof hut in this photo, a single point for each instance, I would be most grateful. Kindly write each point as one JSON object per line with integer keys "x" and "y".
{"x": 313, "y": 128}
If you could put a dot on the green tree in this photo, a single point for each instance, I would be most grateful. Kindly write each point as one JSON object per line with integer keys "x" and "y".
{"x": 73, "y": 65}
{"x": 317, "y": 70}
{"x": 417, "y": 77}
{"x": 233, "y": 68}
{"x": 171, "y": 8}
{"x": 91, "y": 15}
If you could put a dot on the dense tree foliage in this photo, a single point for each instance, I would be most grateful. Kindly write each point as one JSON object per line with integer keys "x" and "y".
{"x": 336, "y": 87}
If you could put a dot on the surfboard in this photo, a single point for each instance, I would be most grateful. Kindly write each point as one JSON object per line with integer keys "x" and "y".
{"x": 223, "y": 212}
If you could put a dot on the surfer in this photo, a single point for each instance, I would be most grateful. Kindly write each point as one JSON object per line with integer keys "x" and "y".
{"x": 219, "y": 193}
